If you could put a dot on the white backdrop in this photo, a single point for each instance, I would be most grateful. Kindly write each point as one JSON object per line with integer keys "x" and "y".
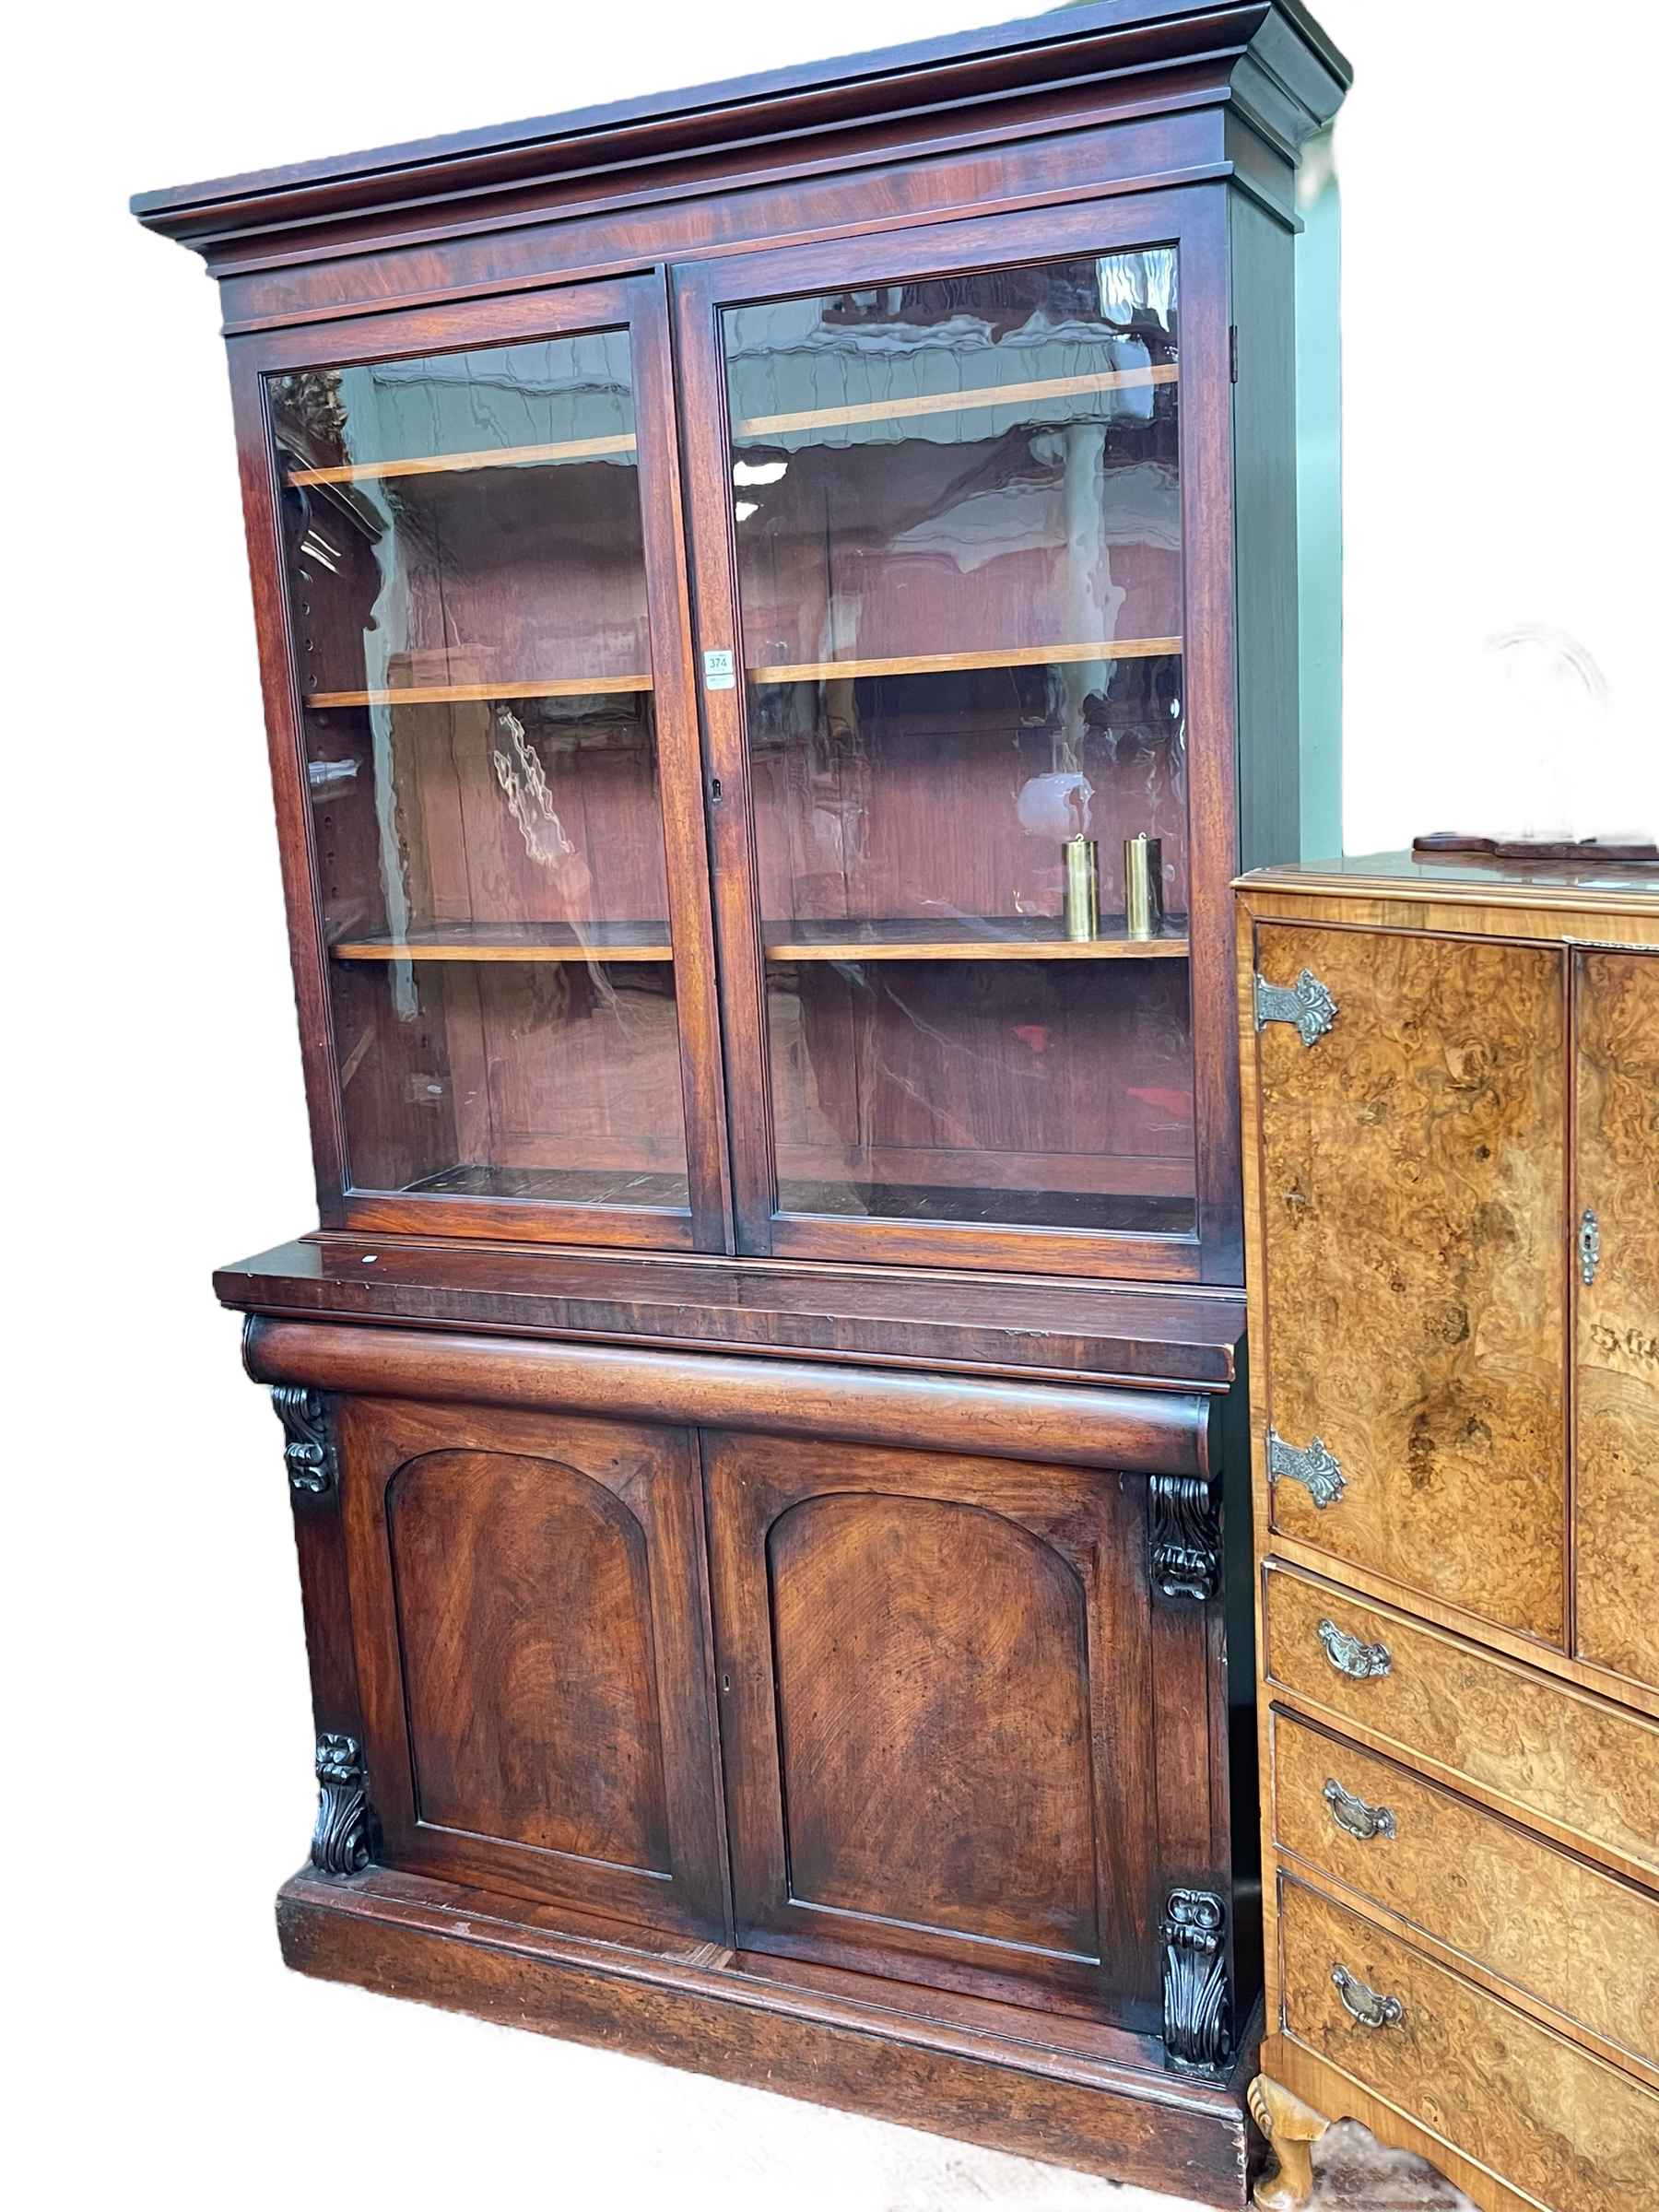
{"x": 1499, "y": 486}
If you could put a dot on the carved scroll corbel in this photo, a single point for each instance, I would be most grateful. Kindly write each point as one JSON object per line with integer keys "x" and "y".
{"x": 344, "y": 1839}
{"x": 1184, "y": 1535}
{"x": 309, "y": 1454}
{"x": 1197, "y": 2000}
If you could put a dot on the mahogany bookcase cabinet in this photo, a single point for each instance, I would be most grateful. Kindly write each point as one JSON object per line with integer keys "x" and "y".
{"x": 735, "y": 571}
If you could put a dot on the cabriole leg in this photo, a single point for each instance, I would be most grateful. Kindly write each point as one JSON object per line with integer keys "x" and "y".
{"x": 1291, "y": 2128}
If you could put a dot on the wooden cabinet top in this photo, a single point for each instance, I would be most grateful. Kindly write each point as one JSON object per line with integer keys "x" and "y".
{"x": 1522, "y": 898}
{"x": 1267, "y": 58}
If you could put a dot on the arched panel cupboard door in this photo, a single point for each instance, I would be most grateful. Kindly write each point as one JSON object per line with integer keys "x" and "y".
{"x": 527, "y": 1608}
{"x": 955, "y": 1721}
{"x": 473, "y": 631}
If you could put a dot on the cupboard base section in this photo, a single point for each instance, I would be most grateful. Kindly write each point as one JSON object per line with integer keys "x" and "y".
{"x": 843, "y": 2039}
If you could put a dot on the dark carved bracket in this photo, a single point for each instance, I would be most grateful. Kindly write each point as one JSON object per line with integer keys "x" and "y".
{"x": 1183, "y": 1533}
{"x": 344, "y": 1839}
{"x": 308, "y": 1453}
{"x": 1197, "y": 2010}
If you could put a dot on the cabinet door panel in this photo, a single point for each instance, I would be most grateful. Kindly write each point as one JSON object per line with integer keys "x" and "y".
{"x": 932, "y": 1716}
{"x": 942, "y": 1723}
{"x": 1617, "y": 1457}
{"x": 487, "y": 754}
{"x": 1413, "y": 1181}
{"x": 537, "y": 1575}
{"x": 531, "y": 1646}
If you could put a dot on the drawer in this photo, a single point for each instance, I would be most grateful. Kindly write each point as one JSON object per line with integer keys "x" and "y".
{"x": 1590, "y": 1767}
{"x": 1575, "y": 1938}
{"x": 1548, "y": 2118}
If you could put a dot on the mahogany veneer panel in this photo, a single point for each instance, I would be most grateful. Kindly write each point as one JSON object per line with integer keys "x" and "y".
{"x": 862, "y": 2045}
{"x": 884, "y": 1316}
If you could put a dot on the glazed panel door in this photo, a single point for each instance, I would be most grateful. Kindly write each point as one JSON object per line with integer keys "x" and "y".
{"x": 527, "y": 1606}
{"x": 1412, "y": 1176}
{"x": 483, "y": 733}
{"x": 954, "y": 492}
{"x": 959, "y": 1738}
{"x": 1616, "y": 1457}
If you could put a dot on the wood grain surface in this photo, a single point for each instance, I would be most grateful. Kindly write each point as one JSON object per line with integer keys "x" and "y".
{"x": 1616, "y": 1495}
{"x": 531, "y": 1629}
{"x": 1583, "y": 1763}
{"x": 524, "y": 1606}
{"x": 1019, "y": 2084}
{"x": 937, "y": 1719}
{"x": 933, "y": 1715}
{"x": 1577, "y": 2135}
{"x": 1581, "y": 1941}
{"x": 1413, "y": 1199}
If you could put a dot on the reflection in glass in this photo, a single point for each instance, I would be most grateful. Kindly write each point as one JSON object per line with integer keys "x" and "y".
{"x": 958, "y": 506}
{"x": 468, "y": 614}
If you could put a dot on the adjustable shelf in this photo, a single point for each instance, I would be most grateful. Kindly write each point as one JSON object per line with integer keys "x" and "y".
{"x": 605, "y": 943}
{"x": 1013, "y": 937}
{"x": 432, "y": 695}
{"x": 951, "y": 402}
{"x": 439, "y": 465}
{"x": 1000, "y": 656}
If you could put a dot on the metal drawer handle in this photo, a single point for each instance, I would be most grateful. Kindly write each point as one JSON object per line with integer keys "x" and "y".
{"x": 1352, "y": 1813}
{"x": 1366, "y": 2005}
{"x": 1306, "y": 1005}
{"x": 1349, "y": 1657}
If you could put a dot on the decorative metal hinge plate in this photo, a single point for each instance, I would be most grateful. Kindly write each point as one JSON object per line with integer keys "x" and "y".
{"x": 1196, "y": 2000}
{"x": 1183, "y": 1535}
{"x": 1361, "y": 1820}
{"x": 1589, "y": 1245}
{"x": 309, "y": 1454}
{"x": 1361, "y": 1662}
{"x": 1314, "y": 1465}
{"x": 1306, "y": 1005}
{"x": 344, "y": 1839}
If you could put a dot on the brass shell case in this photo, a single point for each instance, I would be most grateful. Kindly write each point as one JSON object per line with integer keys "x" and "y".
{"x": 1082, "y": 909}
{"x": 1143, "y": 885}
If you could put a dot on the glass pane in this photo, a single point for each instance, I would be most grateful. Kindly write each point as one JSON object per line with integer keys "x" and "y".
{"x": 959, "y": 564}
{"x": 466, "y": 589}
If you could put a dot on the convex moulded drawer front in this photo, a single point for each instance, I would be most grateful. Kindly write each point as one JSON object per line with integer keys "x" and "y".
{"x": 1588, "y": 1767}
{"x": 1413, "y": 1196}
{"x": 1571, "y": 2131}
{"x": 1577, "y": 1939}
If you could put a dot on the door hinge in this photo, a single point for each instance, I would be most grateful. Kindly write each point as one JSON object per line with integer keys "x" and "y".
{"x": 1232, "y": 353}
{"x": 1314, "y": 1464}
{"x": 1306, "y": 1005}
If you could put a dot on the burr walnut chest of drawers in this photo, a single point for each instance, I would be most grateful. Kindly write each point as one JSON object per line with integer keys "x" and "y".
{"x": 1451, "y": 1084}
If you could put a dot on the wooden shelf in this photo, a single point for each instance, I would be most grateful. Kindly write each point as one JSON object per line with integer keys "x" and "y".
{"x": 440, "y": 465}
{"x": 1013, "y": 937}
{"x": 760, "y": 426}
{"x": 1001, "y": 656}
{"x": 431, "y": 695}
{"x": 952, "y": 403}
{"x": 605, "y": 943}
